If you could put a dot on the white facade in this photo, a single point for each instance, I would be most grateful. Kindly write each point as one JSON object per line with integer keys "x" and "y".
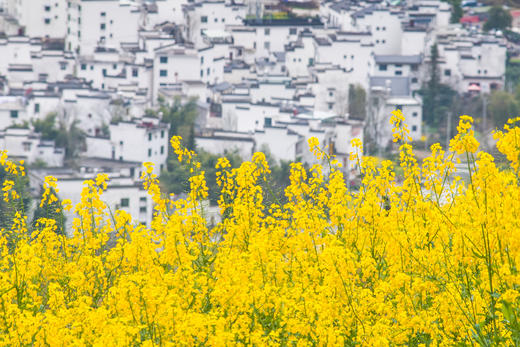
{"x": 24, "y": 144}
{"x": 222, "y": 142}
{"x": 144, "y": 140}
{"x": 105, "y": 23}
{"x": 39, "y": 18}
{"x": 281, "y": 142}
{"x": 385, "y": 27}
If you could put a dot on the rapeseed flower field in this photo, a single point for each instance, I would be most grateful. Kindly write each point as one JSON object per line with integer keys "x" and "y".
{"x": 432, "y": 260}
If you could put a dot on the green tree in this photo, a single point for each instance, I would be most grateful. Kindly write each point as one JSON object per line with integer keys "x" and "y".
{"x": 181, "y": 117}
{"x": 68, "y": 136}
{"x": 72, "y": 138}
{"x": 357, "y": 98}
{"x": 437, "y": 98}
{"x": 175, "y": 180}
{"x": 498, "y": 18}
{"x": 48, "y": 210}
{"x": 46, "y": 126}
{"x": 456, "y": 10}
{"x": 502, "y": 106}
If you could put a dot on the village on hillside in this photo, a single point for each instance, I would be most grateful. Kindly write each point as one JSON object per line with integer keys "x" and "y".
{"x": 100, "y": 86}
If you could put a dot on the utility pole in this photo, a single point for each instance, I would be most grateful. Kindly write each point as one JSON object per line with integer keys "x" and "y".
{"x": 484, "y": 120}
{"x": 448, "y": 131}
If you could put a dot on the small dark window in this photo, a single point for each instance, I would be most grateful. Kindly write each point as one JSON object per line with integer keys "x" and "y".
{"x": 142, "y": 209}
{"x": 204, "y": 19}
{"x": 163, "y": 73}
{"x": 202, "y": 60}
{"x": 149, "y": 136}
{"x": 267, "y": 31}
{"x": 415, "y": 114}
{"x": 104, "y": 71}
{"x": 114, "y": 66}
{"x": 292, "y": 31}
{"x": 83, "y": 66}
{"x": 125, "y": 202}
{"x": 398, "y": 73}
{"x": 414, "y": 80}
{"x": 102, "y": 26}
{"x": 163, "y": 60}
{"x": 48, "y": 21}
{"x": 382, "y": 67}
{"x": 447, "y": 72}
{"x": 47, "y": 8}
{"x": 103, "y": 14}
{"x": 162, "y": 149}
{"x": 414, "y": 127}
{"x": 36, "y": 108}
{"x": 162, "y": 134}
{"x": 415, "y": 67}
{"x": 14, "y": 114}
{"x": 135, "y": 72}
{"x": 149, "y": 152}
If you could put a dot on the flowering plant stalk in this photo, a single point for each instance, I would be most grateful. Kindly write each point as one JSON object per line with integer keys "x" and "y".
{"x": 430, "y": 261}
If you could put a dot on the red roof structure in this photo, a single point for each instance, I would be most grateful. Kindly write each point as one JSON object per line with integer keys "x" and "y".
{"x": 470, "y": 20}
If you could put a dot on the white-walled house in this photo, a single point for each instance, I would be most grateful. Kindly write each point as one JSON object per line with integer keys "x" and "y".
{"x": 106, "y": 23}
{"x": 177, "y": 63}
{"x": 27, "y": 145}
{"x": 12, "y": 111}
{"x": 39, "y": 18}
{"x": 385, "y": 26}
{"x": 386, "y": 95}
{"x": 123, "y": 191}
{"x": 281, "y": 142}
{"x": 141, "y": 140}
{"x": 206, "y": 15}
{"x": 468, "y": 61}
{"x": 221, "y": 142}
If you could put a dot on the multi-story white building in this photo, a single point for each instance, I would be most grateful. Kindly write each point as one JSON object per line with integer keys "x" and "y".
{"x": 105, "y": 23}
{"x": 39, "y": 18}
{"x": 140, "y": 140}
{"x": 27, "y": 145}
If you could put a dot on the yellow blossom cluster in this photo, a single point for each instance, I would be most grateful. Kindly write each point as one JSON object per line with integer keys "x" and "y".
{"x": 429, "y": 260}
